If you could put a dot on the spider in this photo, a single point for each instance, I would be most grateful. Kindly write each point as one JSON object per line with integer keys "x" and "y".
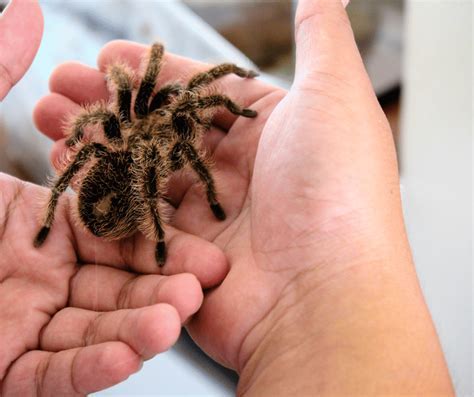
{"x": 121, "y": 189}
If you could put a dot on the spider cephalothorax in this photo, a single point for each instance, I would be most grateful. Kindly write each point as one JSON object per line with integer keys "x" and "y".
{"x": 120, "y": 191}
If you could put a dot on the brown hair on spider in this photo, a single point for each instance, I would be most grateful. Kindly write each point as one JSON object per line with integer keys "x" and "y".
{"x": 120, "y": 192}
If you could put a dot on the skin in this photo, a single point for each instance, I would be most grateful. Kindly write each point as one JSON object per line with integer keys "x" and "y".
{"x": 21, "y": 25}
{"x": 321, "y": 296}
{"x": 80, "y": 315}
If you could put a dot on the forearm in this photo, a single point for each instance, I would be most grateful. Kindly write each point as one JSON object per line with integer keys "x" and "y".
{"x": 364, "y": 332}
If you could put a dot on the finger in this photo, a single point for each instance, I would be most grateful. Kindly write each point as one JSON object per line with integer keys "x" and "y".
{"x": 51, "y": 113}
{"x": 243, "y": 91}
{"x": 325, "y": 42}
{"x": 21, "y": 28}
{"x": 93, "y": 85}
{"x": 102, "y": 288}
{"x": 64, "y": 81}
{"x": 64, "y": 78}
{"x": 71, "y": 372}
{"x": 148, "y": 331}
{"x": 186, "y": 253}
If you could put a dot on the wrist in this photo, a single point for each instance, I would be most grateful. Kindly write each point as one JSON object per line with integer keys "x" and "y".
{"x": 362, "y": 330}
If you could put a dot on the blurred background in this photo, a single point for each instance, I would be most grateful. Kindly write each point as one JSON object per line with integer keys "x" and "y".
{"x": 419, "y": 58}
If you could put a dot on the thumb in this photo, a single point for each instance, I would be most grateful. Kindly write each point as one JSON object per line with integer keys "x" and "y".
{"x": 324, "y": 41}
{"x": 21, "y": 28}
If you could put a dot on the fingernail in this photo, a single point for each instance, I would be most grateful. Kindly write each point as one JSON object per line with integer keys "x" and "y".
{"x": 345, "y": 2}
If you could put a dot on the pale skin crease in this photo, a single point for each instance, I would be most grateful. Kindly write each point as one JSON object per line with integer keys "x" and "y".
{"x": 321, "y": 297}
{"x": 81, "y": 315}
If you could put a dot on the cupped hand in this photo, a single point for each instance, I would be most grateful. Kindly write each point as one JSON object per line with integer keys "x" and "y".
{"x": 80, "y": 315}
{"x": 307, "y": 185}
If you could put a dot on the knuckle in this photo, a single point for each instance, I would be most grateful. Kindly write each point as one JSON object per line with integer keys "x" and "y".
{"x": 92, "y": 331}
{"x": 125, "y": 293}
{"x": 41, "y": 373}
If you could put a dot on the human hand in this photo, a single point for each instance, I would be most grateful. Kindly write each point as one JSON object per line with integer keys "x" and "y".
{"x": 21, "y": 29}
{"x": 292, "y": 188}
{"x": 314, "y": 234}
{"x": 80, "y": 315}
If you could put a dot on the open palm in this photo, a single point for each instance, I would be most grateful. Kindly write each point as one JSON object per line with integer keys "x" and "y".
{"x": 298, "y": 182}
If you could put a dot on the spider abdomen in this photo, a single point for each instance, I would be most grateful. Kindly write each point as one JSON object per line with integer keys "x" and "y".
{"x": 107, "y": 204}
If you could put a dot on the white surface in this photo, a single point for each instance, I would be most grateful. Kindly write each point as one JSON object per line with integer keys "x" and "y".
{"x": 437, "y": 170}
{"x": 182, "y": 371}
{"x": 383, "y": 60}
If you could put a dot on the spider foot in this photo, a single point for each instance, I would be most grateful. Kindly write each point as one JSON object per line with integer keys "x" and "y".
{"x": 249, "y": 113}
{"x": 252, "y": 73}
{"x": 160, "y": 253}
{"x": 218, "y": 211}
{"x": 41, "y": 236}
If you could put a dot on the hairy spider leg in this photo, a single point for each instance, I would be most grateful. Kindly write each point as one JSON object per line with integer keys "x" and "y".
{"x": 211, "y": 101}
{"x": 150, "y": 182}
{"x": 191, "y": 156}
{"x": 183, "y": 124}
{"x": 205, "y": 123}
{"x": 205, "y": 78}
{"x": 82, "y": 157}
{"x": 123, "y": 83}
{"x": 109, "y": 121}
{"x": 162, "y": 97}
{"x": 148, "y": 82}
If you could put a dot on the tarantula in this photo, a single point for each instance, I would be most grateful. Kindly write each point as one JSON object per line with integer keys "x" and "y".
{"x": 120, "y": 192}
